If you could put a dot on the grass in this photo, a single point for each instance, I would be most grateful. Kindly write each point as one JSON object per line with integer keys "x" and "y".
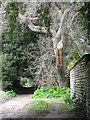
{"x": 6, "y": 94}
{"x": 3, "y": 95}
{"x": 63, "y": 107}
{"x": 46, "y": 105}
{"x": 39, "y": 105}
{"x": 55, "y": 95}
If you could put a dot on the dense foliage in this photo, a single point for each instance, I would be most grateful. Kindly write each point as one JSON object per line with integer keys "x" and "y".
{"x": 16, "y": 41}
{"x": 45, "y": 19}
{"x": 84, "y": 12}
{"x": 81, "y": 43}
{"x": 43, "y": 69}
{"x": 27, "y": 55}
{"x": 55, "y": 92}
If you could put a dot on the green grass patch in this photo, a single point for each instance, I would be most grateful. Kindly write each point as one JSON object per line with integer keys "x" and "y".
{"x": 39, "y": 105}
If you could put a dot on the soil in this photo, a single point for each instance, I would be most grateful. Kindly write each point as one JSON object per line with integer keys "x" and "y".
{"x": 15, "y": 108}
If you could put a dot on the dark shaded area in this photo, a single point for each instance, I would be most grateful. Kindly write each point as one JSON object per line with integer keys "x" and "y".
{"x": 25, "y": 90}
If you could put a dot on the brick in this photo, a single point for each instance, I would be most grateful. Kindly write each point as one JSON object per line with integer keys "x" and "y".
{"x": 80, "y": 79}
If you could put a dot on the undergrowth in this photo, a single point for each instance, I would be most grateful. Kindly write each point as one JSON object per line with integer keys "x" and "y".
{"x": 10, "y": 93}
{"x": 6, "y": 94}
{"x": 55, "y": 92}
{"x": 56, "y": 95}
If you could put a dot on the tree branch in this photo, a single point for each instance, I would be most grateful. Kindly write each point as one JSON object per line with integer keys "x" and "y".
{"x": 28, "y": 22}
{"x": 3, "y": 12}
{"x": 73, "y": 18}
{"x": 36, "y": 18}
{"x": 70, "y": 26}
{"x": 60, "y": 31}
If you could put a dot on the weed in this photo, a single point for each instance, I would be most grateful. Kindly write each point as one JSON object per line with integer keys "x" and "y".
{"x": 39, "y": 105}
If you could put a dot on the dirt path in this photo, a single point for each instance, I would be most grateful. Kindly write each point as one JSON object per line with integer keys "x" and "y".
{"x": 14, "y": 108}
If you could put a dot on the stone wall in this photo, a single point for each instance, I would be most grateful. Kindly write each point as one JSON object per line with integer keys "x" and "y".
{"x": 80, "y": 81}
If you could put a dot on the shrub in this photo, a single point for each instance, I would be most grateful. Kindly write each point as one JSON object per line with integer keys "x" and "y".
{"x": 55, "y": 92}
{"x": 11, "y": 93}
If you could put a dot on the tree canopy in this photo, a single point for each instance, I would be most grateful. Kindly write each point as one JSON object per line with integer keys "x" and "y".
{"x": 31, "y": 36}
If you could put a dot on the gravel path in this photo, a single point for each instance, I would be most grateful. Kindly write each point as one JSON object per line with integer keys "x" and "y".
{"x": 14, "y": 108}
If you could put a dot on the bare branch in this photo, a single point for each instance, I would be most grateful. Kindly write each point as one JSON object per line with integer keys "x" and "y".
{"x": 73, "y": 18}
{"x": 60, "y": 31}
{"x": 70, "y": 26}
{"x": 31, "y": 25}
{"x": 3, "y": 12}
{"x": 36, "y": 18}
{"x": 62, "y": 22}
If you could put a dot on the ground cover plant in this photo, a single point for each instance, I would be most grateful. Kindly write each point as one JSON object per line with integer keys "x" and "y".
{"x": 62, "y": 107}
{"x": 54, "y": 92}
{"x": 6, "y": 94}
{"x": 10, "y": 93}
{"x": 47, "y": 105}
{"x": 44, "y": 105}
{"x": 39, "y": 105}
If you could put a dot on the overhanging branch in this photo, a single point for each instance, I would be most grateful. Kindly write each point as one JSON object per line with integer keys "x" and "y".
{"x": 28, "y": 22}
{"x": 2, "y": 12}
